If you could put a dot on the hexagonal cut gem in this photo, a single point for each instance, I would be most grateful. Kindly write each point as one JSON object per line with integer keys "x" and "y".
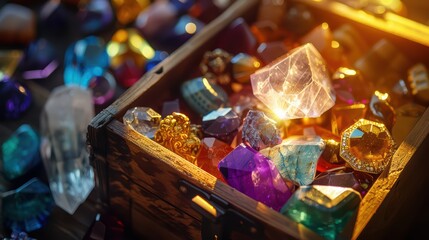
{"x": 296, "y": 157}
{"x": 296, "y": 85}
{"x": 142, "y": 120}
{"x": 367, "y": 146}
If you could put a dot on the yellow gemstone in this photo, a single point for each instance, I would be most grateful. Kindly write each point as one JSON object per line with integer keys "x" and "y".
{"x": 128, "y": 45}
{"x": 128, "y": 10}
{"x": 9, "y": 59}
{"x": 367, "y": 146}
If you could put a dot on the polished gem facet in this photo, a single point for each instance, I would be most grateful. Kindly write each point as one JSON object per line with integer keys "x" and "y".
{"x": 212, "y": 151}
{"x": 251, "y": 173}
{"x": 27, "y": 207}
{"x": 359, "y": 181}
{"x": 203, "y": 96}
{"x": 40, "y": 60}
{"x": 350, "y": 86}
{"x": 20, "y": 152}
{"x": 329, "y": 211}
{"x": 15, "y": 99}
{"x": 296, "y": 158}
{"x": 221, "y": 123}
{"x": 243, "y": 65}
{"x": 175, "y": 133}
{"x": 343, "y": 117}
{"x": 64, "y": 122}
{"x": 367, "y": 146}
{"x": 142, "y": 120}
{"x": 296, "y": 85}
{"x": 260, "y": 131}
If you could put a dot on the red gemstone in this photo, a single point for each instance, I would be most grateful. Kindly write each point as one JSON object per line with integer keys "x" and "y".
{"x": 127, "y": 74}
{"x": 212, "y": 151}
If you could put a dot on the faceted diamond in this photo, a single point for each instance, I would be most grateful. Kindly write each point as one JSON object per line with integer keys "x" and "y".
{"x": 272, "y": 11}
{"x": 17, "y": 24}
{"x": 157, "y": 58}
{"x": 103, "y": 87}
{"x": 27, "y": 207}
{"x": 64, "y": 122}
{"x": 270, "y": 51}
{"x": 157, "y": 17}
{"x": 9, "y": 59}
{"x": 380, "y": 109}
{"x": 243, "y": 66}
{"x": 329, "y": 211}
{"x": 359, "y": 181}
{"x": 15, "y": 99}
{"x": 95, "y": 16}
{"x": 20, "y": 152}
{"x": 367, "y": 146}
{"x": 142, "y": 120}
{"x": 84, "y": 59}
{"x": 128, "y": 53}
{"x": 128, "y": 10}
{"x": 296, "y": 158}
{"x": 260, "y": 131}
{"x": 418, "y": 79}
{"x": 40, "y": 60}
{"x": 343, "y": 117}
{"x": 221, "y": 124}
{"x": 251, "y": 173}
{"x": 203, "y": 96}
{"x": 212, "y": 151}
{"x": 168, "y": 107}
{"x": 350, "y": 87}
{"x": 406, "y": 118}
{"x": 296, "y": 85}
{"x": 237, "y": 38}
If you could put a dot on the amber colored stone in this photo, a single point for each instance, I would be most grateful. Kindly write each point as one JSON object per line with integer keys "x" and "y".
{"x": 270, "y": 51}
{"x": 418, "y": 79}
{"x": 367, "y": 146}
{"x": 380, "y": 109}
{"x": 243, "y": 65}
{"x": 322, "y": 39}
{"x": 344, "y": 116}
{"x": 406, "y": 118}
{"x": 350, "y": 87}
{"x": 17, "y": 24}
{"x": 128, "y": 10}
{"x": 298, "y": 19}
{"x": 272, "y": 10}
{"x": 353, "y": 43}
{"x": 9, "y": 60}
{"x": 237, "y": 38}
{"x": 212, "y": 151}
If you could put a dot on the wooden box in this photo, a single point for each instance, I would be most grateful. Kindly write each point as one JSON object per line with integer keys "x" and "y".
{"x": 161, "y": 195}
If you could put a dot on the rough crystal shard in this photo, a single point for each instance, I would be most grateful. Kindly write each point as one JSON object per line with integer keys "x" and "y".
{"x": 260, "y": 131}
{"x": 221, "y": 123}
{"x": 143, "y": 120}
{"x": 20, "y": 152}
{"x": 329, "y": 211}
{"x": 367, "y": 146}
{"x": 251, "y": 173}
{"x": 296, "y": 157}
{"x": 28, "y": 207}
{"x": 64, "y": 123}
{"x": 296, "y": 85}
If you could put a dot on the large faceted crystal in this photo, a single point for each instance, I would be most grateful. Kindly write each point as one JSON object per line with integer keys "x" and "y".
{"x": 64, "y": 122}
{"x": 296, "y": 85}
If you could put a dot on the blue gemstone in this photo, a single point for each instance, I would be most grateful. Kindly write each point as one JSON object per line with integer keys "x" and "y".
{"x": 20, "y": 152}
{"x": 15, "y": 99}
{"x": 40, "y": 60}
{"x": 159, "y": 57}
{"x": 28, "y": 207}
{"x": 84, "y": 59}
{"x": 95, "y": 16}
{"x": 182, "y": 6}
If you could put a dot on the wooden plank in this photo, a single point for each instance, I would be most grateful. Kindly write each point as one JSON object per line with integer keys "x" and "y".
{"x": 150, "y": 164}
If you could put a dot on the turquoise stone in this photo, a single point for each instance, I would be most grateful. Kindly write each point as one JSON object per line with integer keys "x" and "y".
{"x": 20, "y": 152}
{"x": 28, "y": 207}
{"x": 327, "y": 210}
{"x": 296, "y": 157}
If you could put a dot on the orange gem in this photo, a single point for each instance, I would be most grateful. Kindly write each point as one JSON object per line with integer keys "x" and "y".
{"x": 344, "y": 116}
{"x": 128, "y": 10}
{"x": 212, "y": 151}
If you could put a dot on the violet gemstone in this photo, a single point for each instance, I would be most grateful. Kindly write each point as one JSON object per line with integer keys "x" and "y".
{"x": 221, "y": 124}
{"x": 15, "y": 99}
{"x": 40, "y": 60}
{"x": 251, "y": 173}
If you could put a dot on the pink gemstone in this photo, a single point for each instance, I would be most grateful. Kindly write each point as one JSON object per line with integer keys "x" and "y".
{"x": 127, "y": 74}
{"x": 237, "y": 38}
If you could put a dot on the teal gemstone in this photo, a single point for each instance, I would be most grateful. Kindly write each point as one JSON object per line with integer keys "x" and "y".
{"x": 28, "y": 207}
{"x": 296, "y": 157}
{"x": 20, "y": 152}
{"x": 203, "y": 96}
{"x": 327, "y": 210}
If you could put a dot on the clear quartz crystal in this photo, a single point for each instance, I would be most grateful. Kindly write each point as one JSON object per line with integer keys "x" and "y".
{"x": 64, "y": 122}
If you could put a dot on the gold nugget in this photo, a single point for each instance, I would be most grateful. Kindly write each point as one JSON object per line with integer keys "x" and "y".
{"x": 175, "y": 134}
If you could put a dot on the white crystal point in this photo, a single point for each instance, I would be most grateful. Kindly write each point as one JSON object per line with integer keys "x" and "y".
{"x": 296, "y": 85}
{"x": 64, "y": 122}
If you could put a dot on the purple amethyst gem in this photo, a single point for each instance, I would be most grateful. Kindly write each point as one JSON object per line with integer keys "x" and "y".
{"x": 221, "y": 124}
{"x": 15, "y": 99}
